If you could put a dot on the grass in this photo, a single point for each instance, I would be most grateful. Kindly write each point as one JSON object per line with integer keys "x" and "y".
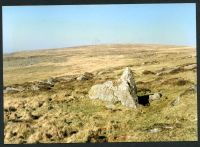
{"x": 65, "y": 114}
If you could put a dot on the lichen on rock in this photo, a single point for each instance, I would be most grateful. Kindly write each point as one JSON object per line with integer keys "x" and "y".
{"x": 125, "y": 90}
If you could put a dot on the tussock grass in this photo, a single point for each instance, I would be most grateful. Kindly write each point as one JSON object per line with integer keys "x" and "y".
{"x": 64, "y": 113}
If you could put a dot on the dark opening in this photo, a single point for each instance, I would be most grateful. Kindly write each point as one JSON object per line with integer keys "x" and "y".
{"x": 35, "y": 117}
{"x": 65, "y": 134}
{"x": 14, "y": 133}
{"x": 48, "y": 135}
{"x": 13, "y": 109}
{"x": 73, "y": 132}
{"x": 144, "y": 100}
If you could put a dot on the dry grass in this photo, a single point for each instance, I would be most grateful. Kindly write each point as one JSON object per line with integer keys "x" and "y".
{"x": 64, "y": 113}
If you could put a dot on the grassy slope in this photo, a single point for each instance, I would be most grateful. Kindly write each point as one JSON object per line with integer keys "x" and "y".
{"x": 66, "y": 114}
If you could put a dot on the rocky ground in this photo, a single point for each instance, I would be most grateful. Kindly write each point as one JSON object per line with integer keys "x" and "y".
{"x": 46, "y": 96}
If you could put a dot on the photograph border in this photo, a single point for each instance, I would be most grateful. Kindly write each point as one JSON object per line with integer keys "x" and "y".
{"x": 94, "y": 2}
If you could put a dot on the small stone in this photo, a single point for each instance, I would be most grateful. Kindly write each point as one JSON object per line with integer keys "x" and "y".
{"x": 50, "y": 81}
{"x": 190, "y": 67}
{"x": 155, "y": 96}
{"x": 154, "y": 130}
{"x": 34, "y": 88}
{"x": 12, "y": 89}
{"x": 169, "y": 127}
{"x": 85, "y": 76}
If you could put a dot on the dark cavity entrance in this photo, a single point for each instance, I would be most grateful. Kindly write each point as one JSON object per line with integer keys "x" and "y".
{"x": 144, "y": 100}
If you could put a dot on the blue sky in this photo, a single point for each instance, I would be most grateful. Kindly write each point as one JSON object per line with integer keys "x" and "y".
{"x": 42, "y": 27}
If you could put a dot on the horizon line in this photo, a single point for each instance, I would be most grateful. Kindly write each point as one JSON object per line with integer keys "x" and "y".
{"x": 89, "y": 45}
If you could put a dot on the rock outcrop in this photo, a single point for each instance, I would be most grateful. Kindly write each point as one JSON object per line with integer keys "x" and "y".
{"x": 12, "y": 89}
{"x": 105, "y": 91}
{"x": 85, "y": 76}
{"x": 124, "y": 91}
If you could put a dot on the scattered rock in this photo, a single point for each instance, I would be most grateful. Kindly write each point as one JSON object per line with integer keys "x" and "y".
{"x": 12, "y": 89}
{"x": 159, "y": 73}
{"x": 45, "y": 86}
{"x": 190, "y": 67}
{"x": 145, "y": 99}
{"x": 85, "y": 76}
{"x": 34, "y": 88}
{"x": 158, "y": 127}
{"x": 49, "y": 81}
{"x": 154, "y": 130}
{"x": 125, "y": 90}
{"x": 165, "y": 71}
{"x": 155, "y": 96}
{"x": 68, "y": 78}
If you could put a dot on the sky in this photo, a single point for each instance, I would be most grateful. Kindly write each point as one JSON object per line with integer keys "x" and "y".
{"x": 45, "y": 27}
